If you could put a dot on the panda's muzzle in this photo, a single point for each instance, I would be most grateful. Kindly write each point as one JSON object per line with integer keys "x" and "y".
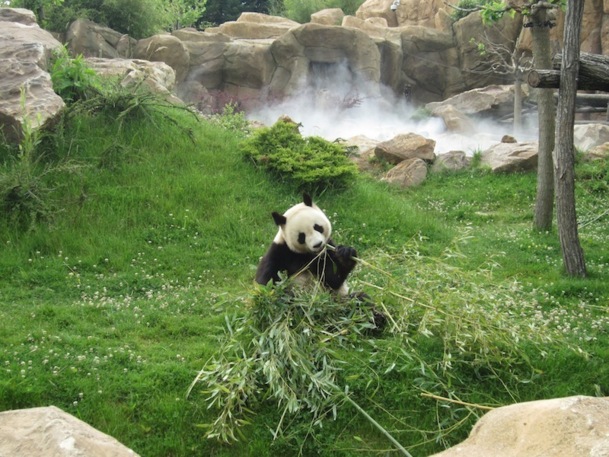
{"x": 318, "y": 246}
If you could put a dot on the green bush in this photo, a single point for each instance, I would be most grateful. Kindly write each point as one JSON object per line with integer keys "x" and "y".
{"x": 464, "y": 7}
{"x": 310, "y": 163}
{"x": 72, "y": 78}
{"x": 29, "y": 180}
{"x": 300, "y": 11}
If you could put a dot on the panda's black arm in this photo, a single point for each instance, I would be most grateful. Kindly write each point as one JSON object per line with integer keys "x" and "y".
{"x": 269, "y": 267}
{"x": 336, "y": 265}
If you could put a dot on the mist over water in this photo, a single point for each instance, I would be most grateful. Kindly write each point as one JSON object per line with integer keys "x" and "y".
{"x": 335, "y": 104}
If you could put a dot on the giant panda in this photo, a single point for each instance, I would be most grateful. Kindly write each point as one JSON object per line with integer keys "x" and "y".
{"x": 303, "y": 250}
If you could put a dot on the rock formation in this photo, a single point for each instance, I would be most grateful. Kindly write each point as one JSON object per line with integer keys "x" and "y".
{"x": 48, "y": 431}
{"x": 566, "y": 427}
{"x": 26, "y": 91}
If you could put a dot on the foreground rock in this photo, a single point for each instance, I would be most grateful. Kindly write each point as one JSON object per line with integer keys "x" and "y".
{"x": 564, "y": 427}
{"x": 48, "y": 431}
{"x": 25, "y": 51}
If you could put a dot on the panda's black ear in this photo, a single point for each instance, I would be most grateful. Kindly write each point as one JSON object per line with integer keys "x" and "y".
{"x": 306, "y": 198}
{"x": 279, "y": 219}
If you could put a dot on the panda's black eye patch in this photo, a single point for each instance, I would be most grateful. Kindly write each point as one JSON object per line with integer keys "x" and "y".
{"x": 301, "y": 238}
{"x": 318, "y": 228}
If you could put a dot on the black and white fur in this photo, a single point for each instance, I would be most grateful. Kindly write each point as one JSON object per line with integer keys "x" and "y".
{"x": 303, "y": 249}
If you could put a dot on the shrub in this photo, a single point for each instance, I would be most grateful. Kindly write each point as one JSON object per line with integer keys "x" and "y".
{"x": 310, "y": 163}
{"x": 28, "y": 182}
{"x": 72, "y": 79}
{"x": 300, "y": 11}
{"x": 464, "y": 7}
{"x": 121, "y": 104}
{"x": 232, "y": 118}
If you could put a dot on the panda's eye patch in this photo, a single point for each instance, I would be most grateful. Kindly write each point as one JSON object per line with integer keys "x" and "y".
{"x": 301, "y": 238}
{"x": 318, "y": 228}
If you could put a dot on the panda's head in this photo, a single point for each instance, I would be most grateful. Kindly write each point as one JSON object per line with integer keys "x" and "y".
{"x": 304, "y": 227}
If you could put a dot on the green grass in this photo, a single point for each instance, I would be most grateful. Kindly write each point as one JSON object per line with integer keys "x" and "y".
{"x": 112, "y": 306}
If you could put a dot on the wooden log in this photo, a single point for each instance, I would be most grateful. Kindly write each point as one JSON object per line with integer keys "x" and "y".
{"x": 593, "y": 73}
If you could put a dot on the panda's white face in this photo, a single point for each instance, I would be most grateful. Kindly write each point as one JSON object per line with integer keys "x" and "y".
{"x": 304, "y": 228}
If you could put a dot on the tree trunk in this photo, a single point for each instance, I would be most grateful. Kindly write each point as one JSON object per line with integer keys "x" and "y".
{"x": 564, "y": 160}
{"x": 593, "y": 73}
{"x": 518, "y": 105}
{"x": 542, "y": 55}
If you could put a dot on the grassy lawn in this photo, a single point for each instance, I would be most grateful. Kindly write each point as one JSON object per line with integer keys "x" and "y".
{"x": 118, "y": 294}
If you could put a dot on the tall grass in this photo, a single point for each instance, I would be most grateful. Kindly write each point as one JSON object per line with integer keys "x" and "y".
{"x": 111, "y": 310}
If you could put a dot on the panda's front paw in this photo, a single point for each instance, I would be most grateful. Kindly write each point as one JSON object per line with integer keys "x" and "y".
{"x": 346, "y": 255}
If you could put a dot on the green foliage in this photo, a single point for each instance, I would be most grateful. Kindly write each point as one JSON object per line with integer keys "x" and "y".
{"x": 300, "y": 11}
{"x": 220, "y": 11}
{"x": 594, "y": 177}
{"x": 137, "y": 18}
{"x": 121, "y": 300}
{"x": 28, "y": 181}
{"x": 72, "y": 78}
{"x": 283, "y": 349}
{"x": 310, "y": 163}
{"x": 121, "y": 104}
{"x": 183, "y": 13}
{"x": 232, "y": 119}
{"x": 465, "y": 7}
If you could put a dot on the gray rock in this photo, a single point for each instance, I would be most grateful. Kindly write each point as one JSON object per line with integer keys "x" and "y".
{"x": 485, "y": 100}
{"x": 406, "y": 146}
{"x": 451, "y": 161}
{"x": 165, "y": 48}
{"x": 511, "y": 157}
{"x": 408, "y": 173}
{"x": 26, "y": 91}
{"x": 157, "y": 76}
{"x": 50, "y": 432}
{"x": 329, "y": 16}
{"x": 562, "y": 427}
{"x": 588, "y": 136}
{"x": 93, "y": 40}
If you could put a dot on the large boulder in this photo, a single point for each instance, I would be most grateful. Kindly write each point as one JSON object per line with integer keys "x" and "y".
{"x": 469, "y": 32}
{"x": 26, "y": 91}
{"x": 451, "y": 161}
{"x": 588, "y": 136}
{"x": 494, "y": 100}
{"x": 165, "y": 48}
{"x": 431, "y": 61}
{"x": 404, "y": 147}
{"x": 409, "y": 173}
{"x": 510, "y": 157}
{"x": 311, "y": 46}
{"x": 255, "y": 26}
{"x": 454, "y": 120}
{"x": 156, "y": 76}
{"x": 206, "y": 57}
{"x": 329, "y": 16}
{"x": 378, "y": 8}
{"x": 93, "y": 40}
{"x": 248, "y": 64}
{"x": 562, "y": 427}
{"x": 18, "y": 15}
{"x": 50, "y": 432}
{"x": 418, "y": 12}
